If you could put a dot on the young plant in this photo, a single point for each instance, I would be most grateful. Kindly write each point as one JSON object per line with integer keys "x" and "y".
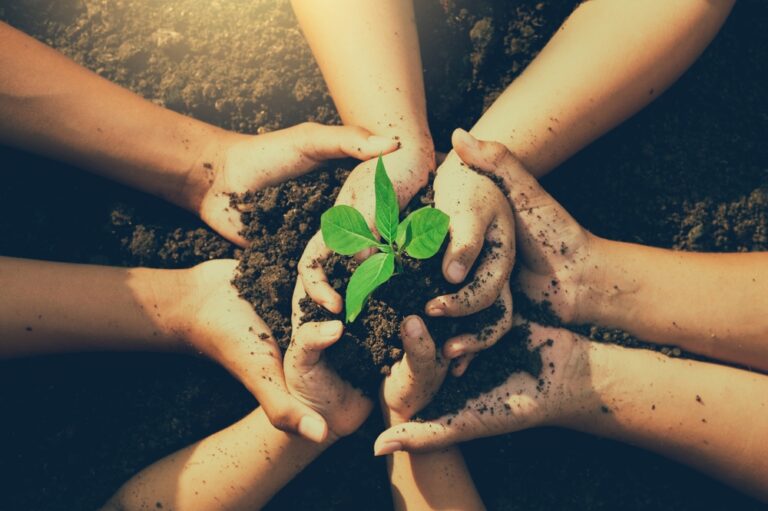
{"x": 346, "y": 232}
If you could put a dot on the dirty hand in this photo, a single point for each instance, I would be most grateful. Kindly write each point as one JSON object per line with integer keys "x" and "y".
{"x": 342, "y": 407}
{"x": 250, "y": 163}
{"x": 416, "y": 378}
{"x": 482, "y": 225}
{"x": 557, "y": 256}
{"x": 216, "y": 322}
{"x": 408, "y": 169}
{"x": 522, "y": 401}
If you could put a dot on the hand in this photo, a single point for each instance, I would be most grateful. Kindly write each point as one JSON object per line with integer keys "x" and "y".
{"x": 209, "y": 315}
{"x": 414, "y": 379}
{"x": 343, "y": 407}
{"x": 480, "y": 217}
{"x": 558, "y": 257}
{"x": 250, "y": 163}
{"x": 519, "y": 403}
{"x": 408, "y": 169}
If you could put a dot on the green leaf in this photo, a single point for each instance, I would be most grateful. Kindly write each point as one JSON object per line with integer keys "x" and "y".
{"x": 345, "y": 230}
{"x": 404, "y": 233}
{"x": 428, "y": 228}
{"x": 387, "y": 209}
{"x": 374, "y": 271}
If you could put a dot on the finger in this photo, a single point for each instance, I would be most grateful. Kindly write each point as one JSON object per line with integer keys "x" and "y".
{"x": 523, "y": 190}
{"x": 265, "y": 378}
{"x": 313, "y": 277}
{"x": 318, "y": 142}
{"x": 420, "y": 352}
{"x": 466, "y": 240}
{"x": 420, "y": 436}
{"x": 475, "y": 342}
{"x": 309, "y": 341}
{"x": 490, "y": 277}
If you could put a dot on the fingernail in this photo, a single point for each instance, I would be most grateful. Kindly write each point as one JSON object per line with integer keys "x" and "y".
{"x": 456, "y": 271}
{"x": 471, "y": 141}
{"x": 436, "y": 309}
{"x": 454, "y": 350}
{"x": 312, "y": 428}
{"x": 384, "y": 448}
{"x": 413, "y": 327}
{"x": 330, "y": 328}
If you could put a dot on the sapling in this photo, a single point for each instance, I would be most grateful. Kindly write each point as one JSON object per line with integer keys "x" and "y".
{"x": 346, "y": 232}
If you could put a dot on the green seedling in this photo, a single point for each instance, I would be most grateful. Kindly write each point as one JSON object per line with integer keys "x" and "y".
{"x": 346, "y": 232}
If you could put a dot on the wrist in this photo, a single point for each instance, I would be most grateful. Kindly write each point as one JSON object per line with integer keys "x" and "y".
{"x": 159, "y": 296}
{"x": 605, "y": 287}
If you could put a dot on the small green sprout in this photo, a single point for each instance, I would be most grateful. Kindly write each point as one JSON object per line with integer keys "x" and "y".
{"x": 346, "y": 232}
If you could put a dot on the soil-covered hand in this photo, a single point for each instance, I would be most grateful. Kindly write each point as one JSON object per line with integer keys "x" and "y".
{"x": 250, "y": 163}
{"x": 416, "y": 378}
{"x": 557, "y": 256}
{"x": 562, "y": 391}
{"x": 408, "y": 169}
{"x": 482, "y": 225}
{"x": 343, "y": 407}
{"x": 209, "y": 315}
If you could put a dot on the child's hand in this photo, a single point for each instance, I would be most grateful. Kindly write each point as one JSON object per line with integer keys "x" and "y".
{"x": 563, "y": 390}
{"x": 208, "y": 314}
{"x": 558, "y": 257}
{"x": 480, "y": 218}
{"x": 408, "y": 169}
{"x": 312, "y": 382}
{"x": 342, "y": 407}
{"x": 249, "y": 163}
{"x": 416, "y": 378}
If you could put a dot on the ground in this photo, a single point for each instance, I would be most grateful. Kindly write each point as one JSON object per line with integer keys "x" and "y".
{"x": 689, "y": 172}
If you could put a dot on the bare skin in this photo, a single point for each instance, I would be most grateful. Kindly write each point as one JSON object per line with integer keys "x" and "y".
{"x": 432, "y": 480}
{"x": 244, "y": 465}
{"x": 52, "y": 106}
{"x": 708, "y": 416}
{"x": 710, "y": 304}
{"x": 543, "y": 121}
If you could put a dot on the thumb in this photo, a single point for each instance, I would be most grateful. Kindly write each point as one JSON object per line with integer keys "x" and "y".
{"x": 319, "y": 142}
{"x": 418, "y": 437}
{"x": 420, "y": 351}
{"x": 288, "y": 414}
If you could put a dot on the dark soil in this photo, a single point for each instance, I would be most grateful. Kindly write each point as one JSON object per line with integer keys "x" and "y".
{"x": 689, "y": 172}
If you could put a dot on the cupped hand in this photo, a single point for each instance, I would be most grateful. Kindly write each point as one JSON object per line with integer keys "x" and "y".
{"x": 216, "y": 322}
{"x": 408, "y": 169}
{"x": 415, "y": 379}
{"x": 310, "y": 380}
{"x": 562, "y": 391}
{"x": 557, "y": 256}
{"x": 481, "y": 223}
{"x": 250, "y": 163}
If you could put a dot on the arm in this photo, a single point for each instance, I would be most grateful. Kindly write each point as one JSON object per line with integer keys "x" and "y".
{"x": 238, "y": 468}
{"x": 368, "y": 52}
{"x": 53, "y": 307}
{"x": 608, "y": 60}
{"x": 52, "y": 106}
{"x": 712, "y": 304}
{"x": 433, "y": 480}
{"x": 710, "y": 417}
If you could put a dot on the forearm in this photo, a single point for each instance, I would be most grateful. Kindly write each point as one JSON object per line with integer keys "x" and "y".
{"x": 711, "y": 304}
{"x": 607, "y": 61}
{"x": 240, "y": 467}
{"x": 711, "y": 417}
{"x": 368, "y": 52}
{"x": 435, "y": 480}
{"x": 52, "y": 106}
{"x": 54, "y": 307}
